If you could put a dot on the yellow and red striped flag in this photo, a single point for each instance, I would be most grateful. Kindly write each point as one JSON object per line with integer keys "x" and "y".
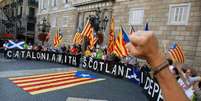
{"x": 87, "y": 29}
{"x": 77, "y": 38}
{"x": 176, "y": 53}
{"x": 57, "y": 38}
{"x": 43, "y": 83}
{"x": 120, "y": 45}
{"x": 88, "y": 32}
{"x": 111, "y": 38}
{"x": 92, "y": 38}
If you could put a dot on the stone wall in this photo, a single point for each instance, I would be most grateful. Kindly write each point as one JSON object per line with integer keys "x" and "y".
{"x": 156, "y": 13}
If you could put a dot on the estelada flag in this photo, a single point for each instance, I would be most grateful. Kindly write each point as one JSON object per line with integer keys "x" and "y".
{"x": 176, "y": 53}
{"x": 42, "y": 83}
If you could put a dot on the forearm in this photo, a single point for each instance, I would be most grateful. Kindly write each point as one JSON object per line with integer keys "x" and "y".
{"x": 170, "y": 88}
{"x": 168, "y": 85}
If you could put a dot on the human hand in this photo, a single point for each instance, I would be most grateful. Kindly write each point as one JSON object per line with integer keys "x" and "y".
{"x": 144, "y": 44}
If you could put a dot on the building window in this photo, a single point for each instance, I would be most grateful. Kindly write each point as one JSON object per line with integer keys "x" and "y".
{"x": 64, "y": 21}
{"x": 54, "y": 3}
{"x": 179, "y": 14}
{"x": 43, "y": 5}
{"x": 136, "y": 16}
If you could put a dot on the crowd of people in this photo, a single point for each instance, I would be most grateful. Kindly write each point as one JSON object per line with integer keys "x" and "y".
{"x": 188, "y": 79}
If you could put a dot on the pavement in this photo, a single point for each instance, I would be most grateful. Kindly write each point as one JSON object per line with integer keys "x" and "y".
{"x": 111, "y": 89}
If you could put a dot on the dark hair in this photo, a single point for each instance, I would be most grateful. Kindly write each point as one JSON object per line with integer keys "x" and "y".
{"x": 176, "y": 71}
{"x": 170, "y": 61}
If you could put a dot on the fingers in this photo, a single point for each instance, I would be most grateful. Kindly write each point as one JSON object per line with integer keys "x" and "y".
{"x": 140, "y": 37}
{"x": 132, "y": 50}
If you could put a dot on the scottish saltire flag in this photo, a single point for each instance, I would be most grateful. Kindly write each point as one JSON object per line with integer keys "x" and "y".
{"x": 146, "y": 28}
{"x": 18, "y": 45}
{"x": 37, "y": 84}
{"x": 176, "y": 53}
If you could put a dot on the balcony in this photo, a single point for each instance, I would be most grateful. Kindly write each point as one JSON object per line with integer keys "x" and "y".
{"x": 86, "y": 2}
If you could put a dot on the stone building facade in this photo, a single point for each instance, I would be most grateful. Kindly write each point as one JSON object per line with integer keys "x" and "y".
{"x": 61, "y": 15}
{"x": 20, "y": 18}
{"x": 172, "y": 20}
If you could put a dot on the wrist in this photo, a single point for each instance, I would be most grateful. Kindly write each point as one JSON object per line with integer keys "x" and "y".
{"x": 155, "y": 60}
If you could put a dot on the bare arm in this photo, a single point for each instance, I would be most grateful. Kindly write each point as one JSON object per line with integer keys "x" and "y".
{"x": 145, "y": 45}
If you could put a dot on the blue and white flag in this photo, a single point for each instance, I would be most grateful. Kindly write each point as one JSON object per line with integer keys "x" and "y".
{"x": 12, "y": 44}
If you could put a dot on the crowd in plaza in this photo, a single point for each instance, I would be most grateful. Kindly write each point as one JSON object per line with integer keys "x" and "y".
{"x": 188, "y": 78}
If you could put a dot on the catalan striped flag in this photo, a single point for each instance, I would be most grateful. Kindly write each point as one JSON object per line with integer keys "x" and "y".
{"x": 120, "y": 44}
{"x": 57, "y": 38}
{"x": 176, "y": 53}
{"x": 111, "y": 39}
{"x": 43, "y": 83}
{"x": 92, "y": 39}
{"x": 77, "y": 38}
{"x": 87, "y": 29}
{"x": 88, "y": 32}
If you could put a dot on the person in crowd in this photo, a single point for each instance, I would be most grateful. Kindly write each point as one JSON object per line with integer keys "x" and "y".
{"x": 144, "y": 44}
{"x": 74, "y": 50}
{"x": 94, "y": 53}
{"x": 99, "y": 53}
{"x": 104, "y": 57}
{"x": 26, "y": 45}
{"x": 39, "y": 48}
{"x": 29, "y": 46}
{"x": 5, "y": 45}
{"x": 87, "y": 52}
{"x": 34, "y": 47}
{"x": 63, "y": 48}
{"x": 68, "y": 49}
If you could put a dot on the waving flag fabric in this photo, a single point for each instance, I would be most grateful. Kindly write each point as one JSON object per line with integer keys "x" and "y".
{"x": 43, "y": 83}
{"x": 111, "y": 38}
{"x": 18, "y": 45}
{"x": 88, "y": 32}
{"x": 120, "y": 48}
{"x": 77, "y": 38}
{"x": 176, "y": 53}
{"x": 57, "y": 38}
{"x": 92, "y": 39}
{"x": 125, "y": 36}
{"x": 87, "y": 29}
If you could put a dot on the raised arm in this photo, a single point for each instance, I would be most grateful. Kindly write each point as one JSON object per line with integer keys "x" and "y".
{"x": 145, "y": 45}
